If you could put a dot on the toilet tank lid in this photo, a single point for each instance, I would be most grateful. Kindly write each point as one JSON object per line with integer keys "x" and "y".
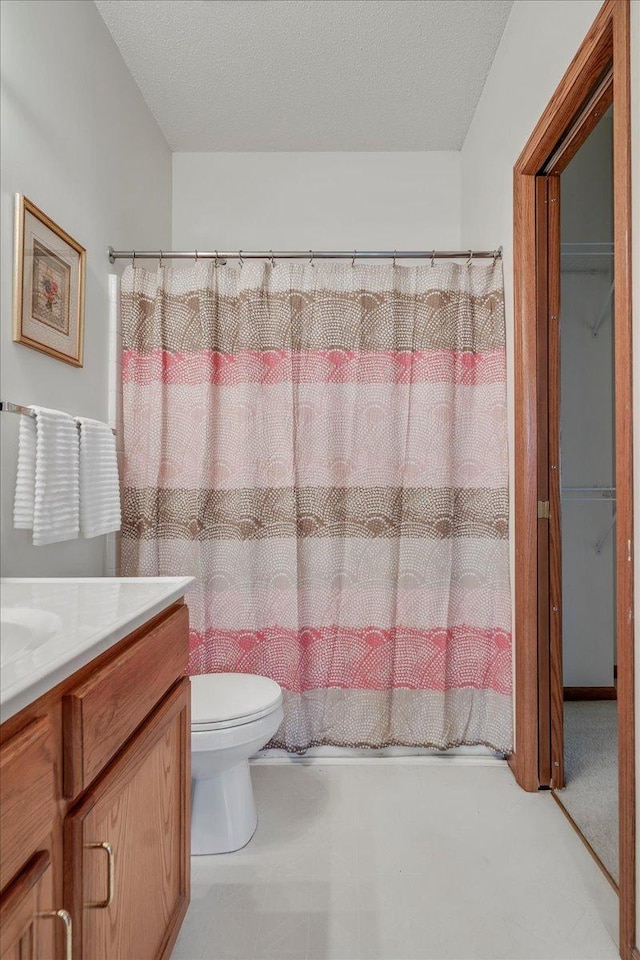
{"x": 228, "y": 696}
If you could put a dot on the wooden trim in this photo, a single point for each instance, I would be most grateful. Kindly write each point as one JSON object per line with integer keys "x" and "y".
{"x": 624, "y": 470}
{"x": 608, "y": 40}
{"x": 554, "y": 649}
{"x": 543, "y": 203}
{"x": 590, "y": 693}
{"x": 583, "y": 128}
{"x": 525, "y": 761}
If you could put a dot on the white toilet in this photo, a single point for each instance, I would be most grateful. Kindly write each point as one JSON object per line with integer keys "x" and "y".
{"x": 233, "y": 715}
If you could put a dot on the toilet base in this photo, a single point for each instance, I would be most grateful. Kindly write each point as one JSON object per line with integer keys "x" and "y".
{"x": 223, "y": 811}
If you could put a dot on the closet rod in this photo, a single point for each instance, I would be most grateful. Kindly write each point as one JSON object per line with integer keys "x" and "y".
{"x": 310, "y": 255}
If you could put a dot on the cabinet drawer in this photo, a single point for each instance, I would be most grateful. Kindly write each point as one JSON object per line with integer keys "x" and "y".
{"x": 102, "y": 713}
{"x": 27, "y": 795}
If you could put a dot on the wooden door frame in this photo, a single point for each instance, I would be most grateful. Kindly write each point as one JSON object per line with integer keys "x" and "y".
{"x": 606, "y": 43}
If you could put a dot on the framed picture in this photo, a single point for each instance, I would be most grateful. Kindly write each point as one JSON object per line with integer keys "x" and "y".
{"x": 48, "y": 286}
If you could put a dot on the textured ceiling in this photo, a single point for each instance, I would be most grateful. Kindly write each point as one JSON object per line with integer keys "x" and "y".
{"x": 309, "y": 74}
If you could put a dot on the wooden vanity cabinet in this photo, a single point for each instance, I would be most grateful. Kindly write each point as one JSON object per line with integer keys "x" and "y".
{"x": 126, "y": 867}
{"x": 95, "y": 806}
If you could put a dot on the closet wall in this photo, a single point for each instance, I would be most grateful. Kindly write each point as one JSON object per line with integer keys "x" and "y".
{"x": 587, "y": 413}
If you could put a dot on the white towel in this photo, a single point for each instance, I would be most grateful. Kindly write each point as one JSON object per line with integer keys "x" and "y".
{"x": 99, "y": 481}
{"x": 48, "y": 477}
{"x": 24, "y": 501}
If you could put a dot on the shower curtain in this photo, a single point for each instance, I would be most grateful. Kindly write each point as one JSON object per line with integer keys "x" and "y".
{"x": 324, "y": 448}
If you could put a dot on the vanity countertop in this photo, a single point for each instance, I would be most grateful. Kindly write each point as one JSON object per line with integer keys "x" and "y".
{"x": 71, "y": 621}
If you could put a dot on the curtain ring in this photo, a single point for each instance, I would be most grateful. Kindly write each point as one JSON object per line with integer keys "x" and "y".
{"x": 133, "y": 259}
{"x": 161, "y": 261}
{"x": 470, "y": 258}
{"x": 311, "y": 258}
{"x": 196, "y": 257}
{"x": 240, "y": 259}
{"x": 215, "y": 265}
{"x": 433, "y": 258}
{"x": 394, "y": 257}
{"x": 273, "y": 259}
{"x": 353, "y": 259}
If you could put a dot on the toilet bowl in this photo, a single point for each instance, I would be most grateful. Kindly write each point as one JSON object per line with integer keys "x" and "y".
{"x": 233, "y": 715}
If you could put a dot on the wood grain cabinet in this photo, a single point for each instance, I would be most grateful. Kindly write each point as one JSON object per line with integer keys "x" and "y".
{"x": 94, "y": 807}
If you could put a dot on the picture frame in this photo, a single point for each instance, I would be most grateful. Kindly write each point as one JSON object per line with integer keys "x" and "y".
{"x": 49, "y": 285}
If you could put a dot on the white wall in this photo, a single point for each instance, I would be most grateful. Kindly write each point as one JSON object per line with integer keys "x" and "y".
{"x": 78, "y": 139}
{"x": 322, "y": 200}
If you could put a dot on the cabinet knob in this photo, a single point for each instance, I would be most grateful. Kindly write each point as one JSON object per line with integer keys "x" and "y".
{"x": 111, "y": 878}
{"x": 68, "y": 929}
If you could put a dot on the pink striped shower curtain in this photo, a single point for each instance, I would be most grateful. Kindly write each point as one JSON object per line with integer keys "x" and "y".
{"x": 324, "y": 448}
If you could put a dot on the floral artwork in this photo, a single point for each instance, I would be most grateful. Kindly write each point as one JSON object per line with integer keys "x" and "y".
{"x": 50, "y": 288}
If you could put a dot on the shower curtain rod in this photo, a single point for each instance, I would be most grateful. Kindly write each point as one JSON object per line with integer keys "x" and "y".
{"x": 312, "y": 255}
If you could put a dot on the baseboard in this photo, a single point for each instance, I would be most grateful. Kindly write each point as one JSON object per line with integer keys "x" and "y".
{"x": 590, "y": 693}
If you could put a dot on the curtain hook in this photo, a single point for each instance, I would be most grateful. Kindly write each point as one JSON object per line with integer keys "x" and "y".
{"x": 196, "y": 257}
{"x": 433, "y": 258}
{"x": 161, "y": 261}
{"x": 311, "y": 258}
{"x": 394, "y": 257}
{"x": 273, "y": 259}
{"x": 133, "y": 259}
{"x": 215, "y": 265}
{"x": 470, "y": 258}
{"x": 240, "y": 259}
{"x": 353, "y": 259}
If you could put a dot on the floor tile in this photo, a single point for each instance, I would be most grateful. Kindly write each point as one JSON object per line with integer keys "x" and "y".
{"x": 400, "y": 862}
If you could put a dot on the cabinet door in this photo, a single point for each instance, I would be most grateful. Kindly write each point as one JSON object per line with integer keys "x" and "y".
{"x": 127, "y": 843}
{"x": 26, "y": 928}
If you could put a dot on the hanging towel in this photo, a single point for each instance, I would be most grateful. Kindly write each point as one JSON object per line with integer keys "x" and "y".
{"x": 99, "y": 481}
{"x": 48, "y": 479}
{"x": 26, "y": 475}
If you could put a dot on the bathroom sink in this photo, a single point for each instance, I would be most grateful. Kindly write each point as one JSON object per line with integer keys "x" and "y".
{"x": 23, "y": 630}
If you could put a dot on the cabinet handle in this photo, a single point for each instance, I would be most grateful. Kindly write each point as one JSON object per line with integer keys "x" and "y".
{"x": 103, "y": 904}
{"x": 68, "y": 930}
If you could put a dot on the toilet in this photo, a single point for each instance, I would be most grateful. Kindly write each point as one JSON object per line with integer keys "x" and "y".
{"x": 233, "y": 715}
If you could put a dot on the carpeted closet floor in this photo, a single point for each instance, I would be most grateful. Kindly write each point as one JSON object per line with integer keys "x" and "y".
{"x": 591, "y": 775}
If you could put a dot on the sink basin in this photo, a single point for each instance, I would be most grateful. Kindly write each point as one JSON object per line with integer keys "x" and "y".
{"x": 23, "y": 630}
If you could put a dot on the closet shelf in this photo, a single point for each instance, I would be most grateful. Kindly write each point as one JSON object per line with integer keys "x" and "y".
{"x": 586, "y": 257}
{"x": 588, "y": 493}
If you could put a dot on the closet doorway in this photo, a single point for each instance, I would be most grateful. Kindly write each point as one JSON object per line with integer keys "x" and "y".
{"x": 581, "y": 482}
{"x": 548, "y": 616}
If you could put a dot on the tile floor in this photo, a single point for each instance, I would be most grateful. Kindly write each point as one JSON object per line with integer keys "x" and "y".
{"x": 398, "y": 861}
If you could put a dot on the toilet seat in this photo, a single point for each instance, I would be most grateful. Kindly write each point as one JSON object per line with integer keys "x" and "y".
{"x": 223, "y": 700}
